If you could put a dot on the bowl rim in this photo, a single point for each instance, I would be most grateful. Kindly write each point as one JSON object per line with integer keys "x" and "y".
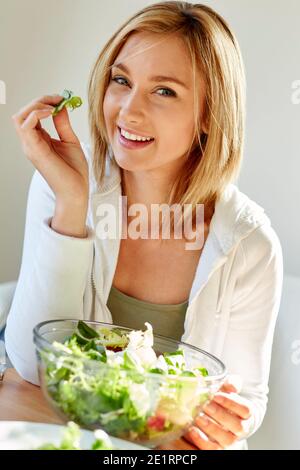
{"x": 209, "y": 378}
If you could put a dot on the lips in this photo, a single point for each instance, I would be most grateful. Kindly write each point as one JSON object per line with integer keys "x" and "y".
{"x": 135, "y": 133}
{"x": 132, "y": 144}
{"x": 131, "y": 131}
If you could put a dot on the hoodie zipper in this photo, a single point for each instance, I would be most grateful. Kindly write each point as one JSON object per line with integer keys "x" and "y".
{"x": 104, "y": 306}
{"x": 93, "y": 288}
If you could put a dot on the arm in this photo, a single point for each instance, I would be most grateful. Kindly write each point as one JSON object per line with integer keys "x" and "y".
{"x": 253, "y": 317}
{"x": 52, "y": 278}
{"x": 248, "y": 343}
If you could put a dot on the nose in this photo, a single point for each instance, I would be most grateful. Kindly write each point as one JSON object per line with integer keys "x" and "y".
{"x": 132, "y": 108}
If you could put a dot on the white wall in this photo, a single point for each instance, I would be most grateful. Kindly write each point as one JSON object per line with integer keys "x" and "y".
{"x": 269, "y": 36}
{"x": 46, "y": 46}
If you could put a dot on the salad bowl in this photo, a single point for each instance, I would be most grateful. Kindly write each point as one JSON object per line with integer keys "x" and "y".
{"x": 134, "y": 385}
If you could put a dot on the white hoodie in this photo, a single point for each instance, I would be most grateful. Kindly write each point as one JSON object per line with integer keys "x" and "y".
{"x": 233, "y": 302}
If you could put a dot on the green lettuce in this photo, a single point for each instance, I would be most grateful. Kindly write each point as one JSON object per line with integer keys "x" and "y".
{"x": 122, "y": 398}
{"x": 69, "y": 101}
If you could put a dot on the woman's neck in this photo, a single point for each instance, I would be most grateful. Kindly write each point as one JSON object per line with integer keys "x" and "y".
{"x": 145, "y": 188}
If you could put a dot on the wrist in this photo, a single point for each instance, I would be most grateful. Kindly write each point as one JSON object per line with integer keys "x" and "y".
{"x": 70, "y": 220}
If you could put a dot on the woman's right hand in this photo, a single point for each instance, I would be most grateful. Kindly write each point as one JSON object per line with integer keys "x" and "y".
{"x": 61, "y": 161}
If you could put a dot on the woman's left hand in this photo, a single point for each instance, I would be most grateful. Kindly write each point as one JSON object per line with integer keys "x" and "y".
{"x": 221, "y": 424}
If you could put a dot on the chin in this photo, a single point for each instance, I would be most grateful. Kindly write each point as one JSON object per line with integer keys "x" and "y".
{"x": 131, "y": 163}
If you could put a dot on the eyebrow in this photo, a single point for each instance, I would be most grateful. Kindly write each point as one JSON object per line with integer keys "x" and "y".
{"x": 154, "y": 78}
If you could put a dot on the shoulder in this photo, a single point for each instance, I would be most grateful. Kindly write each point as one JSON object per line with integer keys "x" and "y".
{"x": 263, "y": 241}
{"x": 257, "y": 256}
{"x": 260, "y": 245}
{"x": 262, "y": 266}
{"x": 244, "y": 234}
{"x": 261, "y": 238}
{"x": 238, "y": 220}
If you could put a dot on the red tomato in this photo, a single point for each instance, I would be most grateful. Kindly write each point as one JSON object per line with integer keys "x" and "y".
{"x": 156, "y": 422}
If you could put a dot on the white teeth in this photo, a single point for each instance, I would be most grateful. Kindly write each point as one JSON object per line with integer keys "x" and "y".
{"x": 134, "y": 137}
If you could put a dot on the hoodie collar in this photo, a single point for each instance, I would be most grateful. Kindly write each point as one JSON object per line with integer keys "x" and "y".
{"x": 234, "y": 218}
{"x": 235, "y": 215}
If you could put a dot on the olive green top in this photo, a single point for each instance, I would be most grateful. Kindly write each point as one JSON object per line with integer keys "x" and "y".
{"x": 166, "y": 320}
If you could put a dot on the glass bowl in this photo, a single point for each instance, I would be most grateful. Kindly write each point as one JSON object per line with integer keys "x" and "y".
{"x": 143, "y": 407}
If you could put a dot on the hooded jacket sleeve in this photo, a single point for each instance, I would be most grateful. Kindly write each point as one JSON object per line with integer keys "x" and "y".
{"x": 52, "y": 279}
{"x": 254, "y": 310}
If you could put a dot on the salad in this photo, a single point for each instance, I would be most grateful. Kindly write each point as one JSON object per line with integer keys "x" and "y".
{"x": 71, "y": 440}
{"x": 113, "y": 379}
{"x": 69, "y": 101}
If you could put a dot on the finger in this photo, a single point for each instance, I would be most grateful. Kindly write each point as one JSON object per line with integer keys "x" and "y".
{"x": 199, "y": 439}
{"x": 230, "y": 421}
{"x": 31, "y": 132}
{"x": 63, "y": 127}
{"x": 19, "y": 121}
{"x": 239, "y": 409}
{"x": 29, "y": 126}
{"x": 233, "y": 383}
{"x": 215, "y": 431}
{"x": 39, "y": 103}
{"x": 228, "y": 388}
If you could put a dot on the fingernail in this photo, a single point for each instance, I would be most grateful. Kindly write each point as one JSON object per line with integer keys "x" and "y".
{"x": 196, "y": 432}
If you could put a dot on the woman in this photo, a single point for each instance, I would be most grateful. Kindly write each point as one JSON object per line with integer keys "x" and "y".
{"x": 173, "y": 75}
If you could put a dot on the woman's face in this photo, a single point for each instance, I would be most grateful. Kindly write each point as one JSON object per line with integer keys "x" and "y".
{"x": 160, "y": 108}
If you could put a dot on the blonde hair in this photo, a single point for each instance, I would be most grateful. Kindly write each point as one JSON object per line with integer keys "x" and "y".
{"x": 214, "y": 158}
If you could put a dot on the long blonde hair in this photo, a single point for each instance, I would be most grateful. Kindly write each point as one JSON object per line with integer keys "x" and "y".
{"x": 214, "y": 158}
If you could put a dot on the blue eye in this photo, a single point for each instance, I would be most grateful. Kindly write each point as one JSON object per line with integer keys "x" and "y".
{"x": 172, "y": 93}
{"x": 115, "y": 79}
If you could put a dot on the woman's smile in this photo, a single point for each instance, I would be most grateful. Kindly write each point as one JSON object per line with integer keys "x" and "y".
{"x": 132, "y": 144}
